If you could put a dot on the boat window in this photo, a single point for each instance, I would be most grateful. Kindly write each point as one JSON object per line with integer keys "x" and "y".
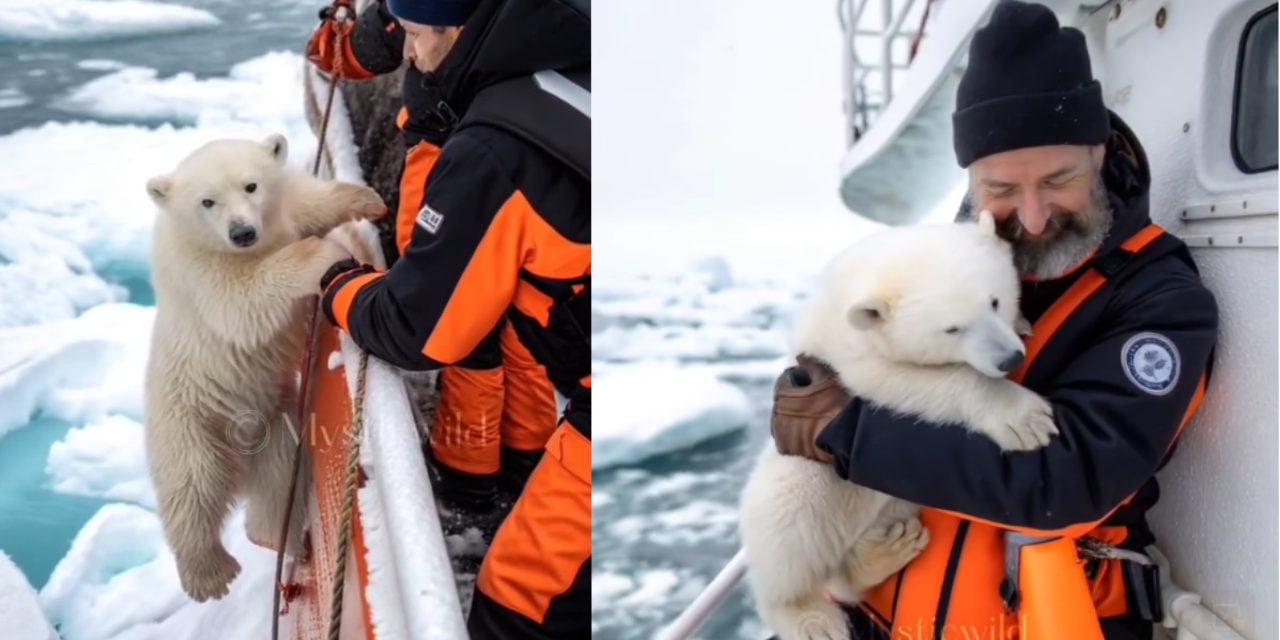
{"x": 1253, "y": 130}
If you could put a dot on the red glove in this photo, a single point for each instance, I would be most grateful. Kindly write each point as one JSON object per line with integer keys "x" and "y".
{"x": 330, "y": 45}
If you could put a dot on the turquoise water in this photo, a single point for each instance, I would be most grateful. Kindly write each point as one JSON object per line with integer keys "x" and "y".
{"x": 38, "y": 524}
{"x": 45, "y": 71}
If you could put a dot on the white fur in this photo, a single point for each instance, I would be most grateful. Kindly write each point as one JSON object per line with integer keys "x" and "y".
{"x": 880, "y": 317}
{"x": 229, "y": 329}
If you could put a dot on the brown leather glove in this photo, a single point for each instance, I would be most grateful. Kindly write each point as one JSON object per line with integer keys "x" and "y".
{"x": 806, "y": 398}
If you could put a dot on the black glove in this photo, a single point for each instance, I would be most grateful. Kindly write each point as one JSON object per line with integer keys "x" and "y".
{"x": 340, "y": 267}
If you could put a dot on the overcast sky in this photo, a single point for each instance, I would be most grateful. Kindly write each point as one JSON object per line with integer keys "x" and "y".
{"x": 717, "y": 128}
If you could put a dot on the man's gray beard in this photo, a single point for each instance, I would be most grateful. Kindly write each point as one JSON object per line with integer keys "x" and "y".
{"x": 1084, "y": 233}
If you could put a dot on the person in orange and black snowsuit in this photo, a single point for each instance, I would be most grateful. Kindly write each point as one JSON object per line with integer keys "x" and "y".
{"x": 1121, "y": 347}
{"x": 493, "y": 223}
{"x": 496, "y": 408}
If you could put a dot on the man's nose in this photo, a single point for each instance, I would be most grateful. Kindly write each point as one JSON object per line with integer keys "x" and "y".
{"x": 1033, "y": 214}
{"x": 407, "y": 53}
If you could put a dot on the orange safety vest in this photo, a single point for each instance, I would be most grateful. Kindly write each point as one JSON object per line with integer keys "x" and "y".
{"x": 1055, "y": 600}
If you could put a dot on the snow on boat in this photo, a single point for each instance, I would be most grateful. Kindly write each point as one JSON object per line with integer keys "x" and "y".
{"x": 398, "y": 580}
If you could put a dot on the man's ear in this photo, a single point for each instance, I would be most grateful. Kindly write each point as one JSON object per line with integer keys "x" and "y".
{"x": 277, "y": 146}
{"x": 867, "y": 314}
{"x": 158, "y": 188}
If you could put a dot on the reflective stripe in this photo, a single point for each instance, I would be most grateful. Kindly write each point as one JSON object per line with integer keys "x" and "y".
{"x": 561, "y": 87}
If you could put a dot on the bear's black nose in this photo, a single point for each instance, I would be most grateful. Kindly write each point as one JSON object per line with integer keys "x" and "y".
{"x": 243, "y": 235}
{"x": 1011, "y": 362}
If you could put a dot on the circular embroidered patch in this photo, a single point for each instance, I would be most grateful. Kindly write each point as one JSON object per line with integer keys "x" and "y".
{"x": 1151, "y": 362}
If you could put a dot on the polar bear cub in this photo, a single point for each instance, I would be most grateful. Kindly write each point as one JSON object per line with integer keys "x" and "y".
{"x": 236, "y": 255}
{"x": 921, "y": 319}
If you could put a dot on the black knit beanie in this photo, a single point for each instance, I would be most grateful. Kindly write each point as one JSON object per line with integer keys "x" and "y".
{"x": 432, "y": 13}
{"x": 1028, "y": 84}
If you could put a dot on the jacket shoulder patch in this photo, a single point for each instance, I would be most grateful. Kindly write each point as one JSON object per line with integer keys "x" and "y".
{"x": 1151, "y": 362}
{"x": 429, "y": 219}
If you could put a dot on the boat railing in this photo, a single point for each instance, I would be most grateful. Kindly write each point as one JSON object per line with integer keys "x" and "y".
{"x": 869, "y": 79}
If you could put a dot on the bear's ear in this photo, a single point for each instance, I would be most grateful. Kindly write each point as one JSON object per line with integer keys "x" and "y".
{"x": 868, "y": 313}
{"x": 987, "y": 222}
{"x": 277, "y": 146}
{"x": 158, "y": 188}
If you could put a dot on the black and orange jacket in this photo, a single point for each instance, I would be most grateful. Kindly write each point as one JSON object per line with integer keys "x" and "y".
{"x": 1114, "y": 433}
{"x": 489, "y": 224}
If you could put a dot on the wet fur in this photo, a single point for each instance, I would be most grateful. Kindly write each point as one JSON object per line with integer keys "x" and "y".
{"x": 229, "y": 330}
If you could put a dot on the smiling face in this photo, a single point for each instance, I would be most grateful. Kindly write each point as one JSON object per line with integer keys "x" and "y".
{"x": 226, "y": 193}
{"x": 1049, "y": 202}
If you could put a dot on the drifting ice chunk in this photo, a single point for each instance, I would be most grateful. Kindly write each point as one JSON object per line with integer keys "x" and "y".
{"x": 252, "y": 91}
{"x": 11, "y": 98}
{"x": 76, "y": 370}
{"x": 103, "y": 459}
{"x": 81, "y": 20}
{"x": 649, "y": 409}
{"x": 44, "y": 276}
{"x": 98, "y": 64}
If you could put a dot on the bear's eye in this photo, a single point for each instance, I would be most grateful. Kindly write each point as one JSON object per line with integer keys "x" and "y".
{"x": 995, "y": 304}
{"x": 953, "y": 330}
{"x": 251, "y": 187}
{"x": 208, "y": 204}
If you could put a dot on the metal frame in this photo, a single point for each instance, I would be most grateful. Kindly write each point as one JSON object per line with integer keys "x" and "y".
{"x": 1230, "y": 240}
{"x": 708, "y": 601}
{"x": 1263, "y": 204}
{"x": 862, "y": 105}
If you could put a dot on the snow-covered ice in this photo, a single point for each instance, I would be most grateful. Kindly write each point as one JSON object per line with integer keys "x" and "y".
{"x": 105, "y": 212}
{"x": 652, "y": 408}
{"x": 701, "y": 315}
{"x": 47, "y": 272}
{"x": 75, "y": 370}
{"x": 119, "y": 582}
{"x": 20, "y": 611}
{"x": 80, "y": 20}
{"x": 104, "y": 459}
{"x": 257, "y": 90}
{"x": 668, "y": 348}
